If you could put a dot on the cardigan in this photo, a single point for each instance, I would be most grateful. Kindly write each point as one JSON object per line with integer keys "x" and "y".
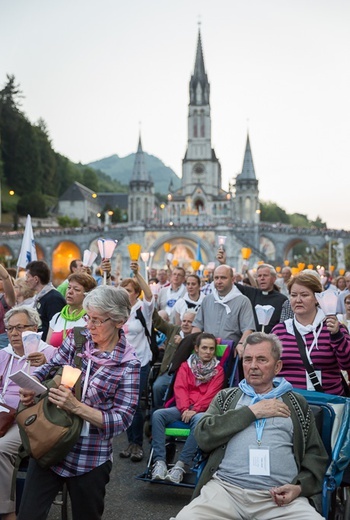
{"x": 331, "y": 355}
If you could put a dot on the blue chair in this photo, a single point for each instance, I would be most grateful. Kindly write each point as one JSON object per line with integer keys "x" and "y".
{"x": 335, "y": 433}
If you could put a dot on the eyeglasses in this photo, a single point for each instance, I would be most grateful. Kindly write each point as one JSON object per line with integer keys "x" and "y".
{"x": 95, "y": 323}
{"x": 19, "y": 328}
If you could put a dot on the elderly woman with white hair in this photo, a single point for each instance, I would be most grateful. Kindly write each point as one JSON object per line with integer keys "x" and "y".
{"x": 110, "y": 386}
{"x": 12, "y": 358}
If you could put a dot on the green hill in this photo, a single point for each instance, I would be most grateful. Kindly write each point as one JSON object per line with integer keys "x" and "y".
{"x": 120, "y": 169}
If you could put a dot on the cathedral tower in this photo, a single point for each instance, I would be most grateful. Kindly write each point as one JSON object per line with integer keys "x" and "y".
{"x": 247, "y": 191}
{"x": 141, "y": 190}
{"x": 201, "y": 191}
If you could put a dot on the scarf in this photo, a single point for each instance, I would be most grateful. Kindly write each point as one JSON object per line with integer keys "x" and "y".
{"x": 203, "y": 372}
{"x": 70, "y": 316}
{"x": 89, "y": 352}
{"x": 315, "y": 327}
{"x": 281, "y": 386}
{"x": 46, "y": 289}
{"x": 223, "y": 301}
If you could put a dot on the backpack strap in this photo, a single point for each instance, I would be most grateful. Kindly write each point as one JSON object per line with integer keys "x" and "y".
{"x": 309, "y": 366}
{"x": 140, "y": 316}
{"x": 79, "y": 341}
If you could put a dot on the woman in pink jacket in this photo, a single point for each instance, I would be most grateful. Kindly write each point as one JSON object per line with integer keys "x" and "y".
{"x": 198, "y": 380}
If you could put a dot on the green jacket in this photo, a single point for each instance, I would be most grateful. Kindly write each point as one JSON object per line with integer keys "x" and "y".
{"x": 222, "y": 421}
{"x": 170, "y": 331}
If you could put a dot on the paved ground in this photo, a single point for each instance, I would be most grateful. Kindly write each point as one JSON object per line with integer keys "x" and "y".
{"x": 130, "y": 499}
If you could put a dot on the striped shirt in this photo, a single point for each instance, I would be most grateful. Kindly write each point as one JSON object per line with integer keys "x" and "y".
{"x": 112, "y": 389}
{"x": 330, "y": 355}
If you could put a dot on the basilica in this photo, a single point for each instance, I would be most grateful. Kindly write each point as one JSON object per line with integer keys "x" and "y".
{"x": 201, "y": 197}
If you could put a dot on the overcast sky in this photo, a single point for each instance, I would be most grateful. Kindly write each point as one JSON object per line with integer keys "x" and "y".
{"x": 95, "y": 69}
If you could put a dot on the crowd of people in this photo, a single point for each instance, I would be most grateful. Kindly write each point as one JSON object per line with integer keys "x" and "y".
{"x": 299, "y": 347}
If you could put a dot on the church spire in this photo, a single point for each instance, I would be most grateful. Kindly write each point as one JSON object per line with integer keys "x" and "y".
{"x": 141, "y": 189}
{"x": 248, "y": 171}
{"x": 139, "y": 172}
{"x": 199, "y": 84}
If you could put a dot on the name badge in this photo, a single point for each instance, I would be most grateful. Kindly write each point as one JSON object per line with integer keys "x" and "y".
{"x": 309, "y": 385}
{"x": 259, "y": 461}
{"x": 171, "y": 303}
{"x": 85, "y": 429}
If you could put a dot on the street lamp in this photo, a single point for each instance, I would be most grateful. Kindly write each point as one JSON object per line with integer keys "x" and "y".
{"x": 11, "y": 192}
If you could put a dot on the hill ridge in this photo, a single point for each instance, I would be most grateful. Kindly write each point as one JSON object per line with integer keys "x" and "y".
{"x": 121, "y": 168}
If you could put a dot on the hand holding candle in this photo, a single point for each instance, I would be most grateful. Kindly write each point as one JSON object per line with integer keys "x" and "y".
{"x": 70, "y": 376}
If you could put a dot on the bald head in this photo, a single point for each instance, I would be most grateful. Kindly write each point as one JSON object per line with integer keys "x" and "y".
{"x": 223, "y": 279}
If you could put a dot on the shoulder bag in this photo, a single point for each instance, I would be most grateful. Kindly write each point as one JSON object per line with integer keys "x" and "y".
{"x": 48, "y": 433}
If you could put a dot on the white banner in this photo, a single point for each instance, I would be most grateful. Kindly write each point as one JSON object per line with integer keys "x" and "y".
{"x": 28, "y": 251}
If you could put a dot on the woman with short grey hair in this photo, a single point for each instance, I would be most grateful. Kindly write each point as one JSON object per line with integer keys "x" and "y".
{"x": 32, "y": 315}
{"x": 109, "y": 396}
{"x": 113, "y": 302}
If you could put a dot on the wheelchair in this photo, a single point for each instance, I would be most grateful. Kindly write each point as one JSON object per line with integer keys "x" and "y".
{"x": 332, "y": 415}
{"x": 178, "y": 431}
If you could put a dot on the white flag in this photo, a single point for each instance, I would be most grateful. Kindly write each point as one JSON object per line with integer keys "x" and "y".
{"x": 28, "y": 251}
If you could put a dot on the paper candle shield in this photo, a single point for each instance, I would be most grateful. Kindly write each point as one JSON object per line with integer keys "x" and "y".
{"x": 264, "y": 314}
{"x": 106, "y": 247}
{"x": 89, "y": 257}
{"x": 31, "y": 341}
{"x": 70, "y": 376}
{"x": 145, "y": 257}
{"x": 195, "y": 265}
{"x": 328, "y": 300}
{"x": 134, "y": 252}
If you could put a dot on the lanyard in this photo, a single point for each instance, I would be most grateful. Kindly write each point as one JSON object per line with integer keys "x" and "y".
{"x": 87, "y": 377}
{"x": 259, "y": 425}
{"x": 9, "y": 370}
{"x": 316, "y": 334}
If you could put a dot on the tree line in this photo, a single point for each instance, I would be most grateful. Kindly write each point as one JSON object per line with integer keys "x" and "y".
{"x": 30, "y": 166}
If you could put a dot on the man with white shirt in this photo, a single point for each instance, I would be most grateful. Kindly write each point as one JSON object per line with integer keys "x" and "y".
{"x": 282, "y": 282}
{"x": 341, "y": 301}
{"x": 192, "y": 299}
{"x": 163, "y": 280}
{"x": 168, "y": 296}
{"x": 225, "y": 312}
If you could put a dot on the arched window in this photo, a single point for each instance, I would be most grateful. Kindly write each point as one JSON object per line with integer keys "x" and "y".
{"x": 195, "y": 124}
{"x": 202, "y": 123}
